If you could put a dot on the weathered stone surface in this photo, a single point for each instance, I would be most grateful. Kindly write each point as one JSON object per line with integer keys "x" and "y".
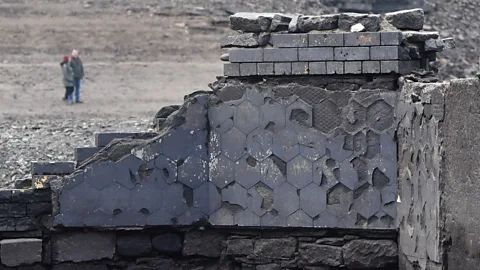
{"x": 370, "y": 22}
{"x": 315, "y": 254}
{"x": 415, "y": 36}
{"x": 15, "y": 252}
{"x": 239, "y": 246}
{"x": 324, "y": 22}
{"x": 411, "y": 19}
{"x": 251, "y": 22}
{"x": 134, "y": 245}
{"x": 203, "y": 243}
{"x": 270, "y": 248}
{"x": 280, "y": 22}
{"x": 168, "y": 243}
{"x": 247, "y": 40}
{"x": 370, "y": 253}
{"x": 81, "y": 247}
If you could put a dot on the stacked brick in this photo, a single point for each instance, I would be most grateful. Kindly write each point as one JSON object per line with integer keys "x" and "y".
{"x": 278, "y": 44}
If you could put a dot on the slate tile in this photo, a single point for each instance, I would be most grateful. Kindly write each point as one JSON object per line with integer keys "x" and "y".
{"x": 299, "y": 172}
{"x": 273, "y": 172}
{"x": 286, "y": 200}
{"x": 246, "y": 218}
{"x": 222, "y": 171}
{"x": 222, "y": 216}
{"x": 285, "y": 144}
{"x": 299, "y": 219}
{"x": 168, "y": 168}
{"x": 235, "y": 195}
{"x": 173, "y": 200}
{"x": 313, "y": 200}
{"x": 207, "y": 198}
{"x": 193, "y": 172}
{"x": 233, "y": 144}
{"x": 272, "y": 116}
{"x": 247, "y": 171}
{"x": 259, "y": 144}
{"x": 177, "y": 144}
{"x": 312, "y": 144}
{"x": 271, "y": 219}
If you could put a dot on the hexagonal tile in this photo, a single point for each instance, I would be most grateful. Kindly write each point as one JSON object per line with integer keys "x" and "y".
{"x": 223, "y": 127}
{"x": 193, "y": 172}
{"x": 195, "y": 117}
{"x": 173, "y": 200}
{"x": 326, "y": 172}
{"x": 222, "y": 216}
{"x": 233, "y": 144}
{"x": 72, "y": 181}
{"x": 286, "y": 200}
{"x": 339, "y": 200}
{"x": 235, "y": 195}
{"x": 386, "y": 167}
{"x": 348, "y": 175}
{"x": 260, "y": 199}
{"x": 379, "y": 179}
{"x": 129, "y": 218}
{"x": 191, "y": 216}
{"x": 247, "y": 117}
{"x": 161, "y": 217}
{"x": 167, "y": 167}
{"x": 359, "y": 144}
{"x": 147, "y": 196}
{"x": 299, "y": 115}
{"x": 312, "y": 144}
{"x": 299, "y": 172}
{"x": 222, "y": 171}
{"x": 285, "y": 144}
{"x": 274, "y": 171}
{"x": 257, "y": 96}
{"x": 388, "y": 147}
{"x": 350, "y": 220}
{"x": 326, "y": 116}
{"x": 247, "y": 171}
{"x": 273, "y": 219}
{"x": 126, "y": 171}
{"x": 214, "y": 148}
{"x": 354, "y": 117}
{"x": 200, "y": 144}
{"x": 259, "y": 144}
{"x": 115, "y": 197}
{"x": 246, "y": 218}
{"x": 337, "y": 151}
{"x": 373, "y": 144}
{"x": 380, "y": 116}
{"x": 219, "y": 113}
{"x": 206, "y": 198}
{"x": 73, "y": 208}
{"x": 361, "y": 167}
{"x": 389, "y": 195}
{"x": 99, "y": 218}
{"x": 313, "y": 200}
{"x": 272, "y": 116}
{"x": 327, "y": 220}
{"x": 99, "y": 175}
{"x": 299, "y": 219}
{"x": 369, "y": 203}
{"x": 177, "y": 144}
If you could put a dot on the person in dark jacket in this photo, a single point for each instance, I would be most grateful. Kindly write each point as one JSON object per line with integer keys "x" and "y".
{"x": 68, "y": 79}
{"x": 77, "y": 67}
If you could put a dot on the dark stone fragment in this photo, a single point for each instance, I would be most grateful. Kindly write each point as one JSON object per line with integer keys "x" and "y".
{"x": 331, "y": 241}
{"x": 203, "y": 243}
{"x": 280, "y": 22}
{"x": 370, "y": 253}
{"x": 52, "y": 168}
{"x": 271, "y": 266}
{"x": 78, "y": 266}
{"x": 315, "y": 254}
{"x": 38, "y": 209}
{"x": 26, "y": 224}
{"x": 269, "y": 248}
{"x": 239, "y": 246}
{"x": 411, "y": 19}
{"x": 251, "y": 22}
{"x": 80, "y": 247}
{"x": 370, "y": 22}
{"x": 5, "y": 196}
{"x": 103, "y": 139}
{"x": 134, "y": 245}
{"x": 7, "y": 224}
{"x": 324, "y": 22}
{"x": 31, "y": 196}
{"x": 155, "y": 263}
{"x": 415, "y": 36}
{"x": 13, "y": 210}
{"x": 168, "y": 243}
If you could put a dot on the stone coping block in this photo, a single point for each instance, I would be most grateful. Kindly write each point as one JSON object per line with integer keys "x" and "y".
{"x": 52, "y": 168}
{"x": 16, "y": 252}
{"x": 104, "y": 138}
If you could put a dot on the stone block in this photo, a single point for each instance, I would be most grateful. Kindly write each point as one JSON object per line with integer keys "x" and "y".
{"x": 31, "y": 195}
{"x": 13, "y": 210}
{"x": 247, "y": 40}
{"x": 82, "y": 247}
{"x": 83, "y": 153}
{"x": 105, "y": 138}
{"x": 280, "y": 55}
{"x": 270, "y": 266}
{"x": 52, "y": 168}
{"x": 231, "y": 69}
{"x": 325, "y": 40}
{"x": 411, "y": 19}
{"x": 370, "y": 254}
{"x": 26, "y": 224}
{"x": 5, "y": 196}
{"x": 246, "y": 55}
{"x": 314, "y": 254}
{"x": 269, "y": 248}
{"x": 280, "y": 22}
{"x": 362, "y": 39}
{"x": 283, "y": 68}
{"x": 203, "y": 243}
{"x": 384, "y": 53}
{"x": 371, "y": 67}
{"x": 390, "y": 66}
{"x": 353, "y": 67}
{"x": 134, "y": 245}
{"x": 315, "y": 54}
{"x": 335, "y": 68}
{"x": 317, "y": 68}
{"x": 300, "y": 68}
{"x": 39, "y": 209}
{"x": 371, "y": 22}
{"x": 324, "y": 22}
{"x": 351, "y": 53}
{"x": 265, "y": 69}
{"x": 239, "y": 246}
{"x": 248, "y": 69}
{"x": 16, "y": 252}
{"x": 168, "y": 243}
{"x": 251, "y": 22}
{"x": 289, "y": 40}
{"x": 391, "y": 38}
{"x": 415, "y": 36}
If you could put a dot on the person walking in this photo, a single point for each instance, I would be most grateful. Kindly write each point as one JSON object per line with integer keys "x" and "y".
{"x": 68, "y": 79}
{"x": 77, "y": 67}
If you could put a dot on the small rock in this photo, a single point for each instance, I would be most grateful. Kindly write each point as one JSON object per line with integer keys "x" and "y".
{"x": 434, "y": 45}
{"x": 319, "y": 23}
{"x": 225, "y": 57}
{"x": 414, "y": 36}
{"x": 357, "y": 28}
{"x": 371, "y": 22}
{"x": 280, "y": 22}
{"x": 251, "y": 22}
{"x": 411, "y": 19}
{"x": 449, "y": 43}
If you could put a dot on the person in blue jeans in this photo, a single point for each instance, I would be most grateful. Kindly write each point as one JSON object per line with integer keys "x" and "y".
{"x": 77, "y": 67}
